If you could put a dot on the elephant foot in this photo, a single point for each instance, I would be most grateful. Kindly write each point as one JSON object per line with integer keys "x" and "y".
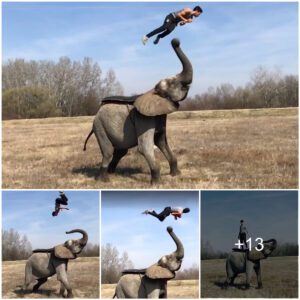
{"x": 103, "y": 175}
{"x": 224, "y": 286}
{"x": 111, "y": 170}
{"x": 175, "y": 172}
{"x": 247, "y": 286}
{"x": 70, "y": 295}
{"x": 155, "y": 177}
{"x": 259, "y": 287}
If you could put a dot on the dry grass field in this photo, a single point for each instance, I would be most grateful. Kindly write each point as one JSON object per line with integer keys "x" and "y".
{"x": 83, "y": 274}
{"x": 279, "y": 278}
{"x": 215, "y": 149}
{"x": 184, "y": 289}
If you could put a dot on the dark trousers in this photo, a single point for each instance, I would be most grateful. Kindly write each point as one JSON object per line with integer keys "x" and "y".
{"x": 161, "y": 216}
{"x": 63, "y": 200}
{"x": 168, "y": 26}
{"x": 243, "y": 239}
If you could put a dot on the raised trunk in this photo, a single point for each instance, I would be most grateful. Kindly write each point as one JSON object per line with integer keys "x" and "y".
{"x": 186, "y": 76}
{"x": 179, "y": 253}
{"x": 84, "y": 238}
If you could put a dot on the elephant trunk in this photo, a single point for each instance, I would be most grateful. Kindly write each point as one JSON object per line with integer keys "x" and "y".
{"x": 84, "y": 238}
{"x": 179, "y": 253}
{"x": 186, "y": 76}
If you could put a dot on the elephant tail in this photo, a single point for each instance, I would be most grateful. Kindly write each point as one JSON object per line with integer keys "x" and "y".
{"x": 115, "y": 295}
{"x": 86, "y": 140}
{"x": 43, "y": 250}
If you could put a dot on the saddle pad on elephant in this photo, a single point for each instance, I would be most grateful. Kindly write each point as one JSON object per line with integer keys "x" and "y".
{"x": 134, "y": 271}
{"x": 120, "y": 99}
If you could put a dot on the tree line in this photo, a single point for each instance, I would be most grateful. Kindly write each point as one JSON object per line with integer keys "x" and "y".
{"x": 39, "y": 89}
{"x": 282, "y": 249}
{"x": 17, "y": 247}
{"x": 266, "y": 89}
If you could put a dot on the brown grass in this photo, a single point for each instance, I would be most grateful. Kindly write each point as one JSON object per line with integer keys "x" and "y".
{"x": 83, "y": 274}
{"x": 215, "y": 149}
{"x": 184, "y": 289}
{"x": 279, "y": 278}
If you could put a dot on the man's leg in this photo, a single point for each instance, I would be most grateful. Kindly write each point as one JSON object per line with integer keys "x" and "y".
{"x": 165, "y": 213}
{"x": 165, "y": 33}
{"x": 153, "y": 213}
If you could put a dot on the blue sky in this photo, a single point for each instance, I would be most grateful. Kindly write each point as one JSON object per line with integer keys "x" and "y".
{"x": 143, "y": 237}
{"x": 29, "y": 212}
{"x": 225, "y": 44}
{"x": 267, "y": 214}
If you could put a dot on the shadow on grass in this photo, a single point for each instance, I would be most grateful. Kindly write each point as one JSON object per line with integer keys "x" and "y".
{"x": 46, "y": 292}
{"x": 220, "y": 284}
{"x": 93, "y": 171}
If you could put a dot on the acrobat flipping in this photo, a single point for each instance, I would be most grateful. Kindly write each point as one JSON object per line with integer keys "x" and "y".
{"x": 63, "y": 200}
{"x": 176, "y": 212}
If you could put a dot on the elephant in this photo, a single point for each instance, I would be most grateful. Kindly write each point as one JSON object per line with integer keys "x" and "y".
{"x": 44, "y": 263}
{"x": 244, "y": 261}
{"x": 152, "y": 281}
{"x": 125, "y": 122}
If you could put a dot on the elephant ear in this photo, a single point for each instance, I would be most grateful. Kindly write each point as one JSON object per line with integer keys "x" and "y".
{"x": 255, "y": 255}
{"x": 63, "y": 252}
{"x": 151, "y": 104}
{"x": 158, "y": 272}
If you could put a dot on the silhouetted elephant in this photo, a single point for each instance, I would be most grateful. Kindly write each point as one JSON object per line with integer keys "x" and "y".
{"x": 246, "y": 261}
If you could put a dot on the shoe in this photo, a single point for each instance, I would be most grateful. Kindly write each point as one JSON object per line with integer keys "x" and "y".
{"x": 144, "y": 40}
{"x": 156, "y": 41}
{"x": 146, "y": 212}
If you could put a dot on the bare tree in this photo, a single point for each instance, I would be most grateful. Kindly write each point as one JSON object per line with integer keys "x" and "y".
{"x": 112, "y": 264}
{"x": 15, "y": 247}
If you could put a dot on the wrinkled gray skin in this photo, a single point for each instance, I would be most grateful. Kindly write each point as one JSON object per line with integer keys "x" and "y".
{"x": 237, "y": 263}
{"x": 141, "y": 286}
{"x": 43, "y": 264}
{"x": 119, "y": 127}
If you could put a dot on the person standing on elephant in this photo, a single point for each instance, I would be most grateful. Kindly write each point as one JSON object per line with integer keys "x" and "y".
{"x": 243, "y": 234}
{"x": 180, "y": 17}
{"x": 176, "y": 212}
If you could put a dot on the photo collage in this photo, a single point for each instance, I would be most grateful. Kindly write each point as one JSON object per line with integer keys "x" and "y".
{"x": 150, "y": 149}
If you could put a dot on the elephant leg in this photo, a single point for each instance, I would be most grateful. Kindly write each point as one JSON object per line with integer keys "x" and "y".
{"x": 106, "y": 148}
{"x": 249, "y": 269}
{"x": 163, "y": 292}
{"x": 28, "y": 277}
{"x": 117, "y": 156}
{"x": 160, "y": 140}
{"x": 146, "y": 148}
{"x": 39, "y": 283}
{"x": 232, "y": 279}
{"x": 63, "y": 278}
{"x": 62, "y": 289}
{"x": 257, "y": 270}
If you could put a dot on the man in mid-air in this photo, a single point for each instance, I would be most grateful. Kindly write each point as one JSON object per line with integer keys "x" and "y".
{"x": 63, "y": 200}
{"x": 180, "y": 17}
{"x": 176, "y": 212}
